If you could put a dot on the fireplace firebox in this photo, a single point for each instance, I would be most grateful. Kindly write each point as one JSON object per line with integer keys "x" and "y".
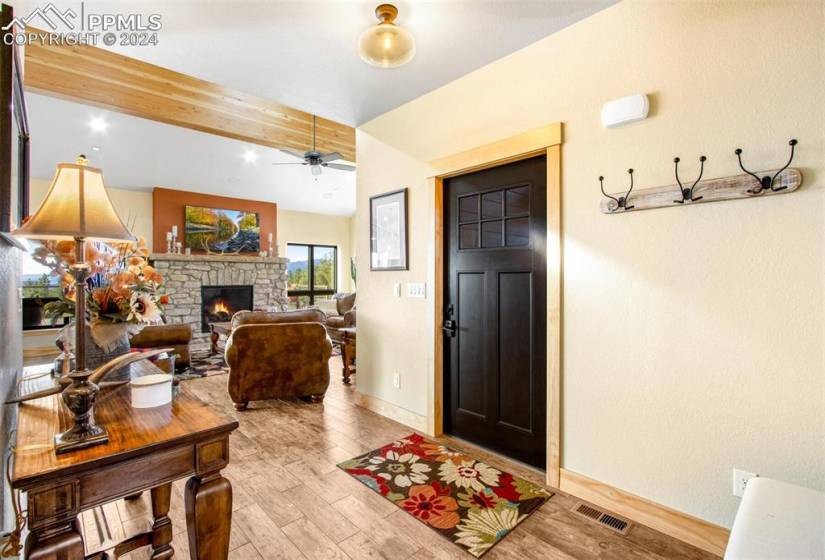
{"x": 219, "y": 303}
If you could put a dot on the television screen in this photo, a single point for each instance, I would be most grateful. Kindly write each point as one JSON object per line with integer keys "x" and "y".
{"x": 221, "y": 231}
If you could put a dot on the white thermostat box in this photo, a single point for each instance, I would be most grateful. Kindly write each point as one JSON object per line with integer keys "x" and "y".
{"x": 626, "y": 110}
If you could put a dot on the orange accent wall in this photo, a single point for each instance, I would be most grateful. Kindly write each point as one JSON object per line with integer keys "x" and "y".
{"x": 168, "y": 208}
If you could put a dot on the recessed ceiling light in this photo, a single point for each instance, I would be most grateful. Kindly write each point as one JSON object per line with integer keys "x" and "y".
{"x": 97, "y": 124}
{"x": 95, "y": 148}
{"x": 250, "y": 156}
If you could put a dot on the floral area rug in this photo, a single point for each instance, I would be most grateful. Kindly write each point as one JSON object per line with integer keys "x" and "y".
{"x": 468, "y": 502}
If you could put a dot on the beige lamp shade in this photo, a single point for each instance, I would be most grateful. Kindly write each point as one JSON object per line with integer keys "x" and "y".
{"x": 386, "y": 45}
{"x": 76, "y": 205}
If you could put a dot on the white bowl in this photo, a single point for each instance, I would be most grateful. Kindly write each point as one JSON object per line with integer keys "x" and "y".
{"x": 151, "y": 390}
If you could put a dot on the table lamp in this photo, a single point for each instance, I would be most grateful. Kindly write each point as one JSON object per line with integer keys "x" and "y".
{"x": 78, "y": 207}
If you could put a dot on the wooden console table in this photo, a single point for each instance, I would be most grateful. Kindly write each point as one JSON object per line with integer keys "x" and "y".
{"x": 148, "y": 449}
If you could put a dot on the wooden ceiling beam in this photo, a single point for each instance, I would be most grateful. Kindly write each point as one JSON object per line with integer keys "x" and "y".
{"x": 119, "y": 83}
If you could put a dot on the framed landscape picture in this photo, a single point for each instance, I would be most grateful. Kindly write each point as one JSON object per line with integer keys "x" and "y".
{"x": 215, "y": 230}
{"x": 388, "y": 231}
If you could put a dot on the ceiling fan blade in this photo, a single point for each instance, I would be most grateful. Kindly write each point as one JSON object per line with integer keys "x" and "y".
{"x": 292, "y": 152}
{"x": 332, "y": 156}
{"x": 341, "y": 166}
{"x": 291, "y": 163}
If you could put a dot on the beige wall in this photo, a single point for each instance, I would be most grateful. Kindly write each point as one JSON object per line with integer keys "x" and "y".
{"x": 693, "y": 337}
{"x": 319, "y": 229}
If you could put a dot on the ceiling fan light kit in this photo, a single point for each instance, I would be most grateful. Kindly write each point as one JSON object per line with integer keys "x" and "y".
{"x": 386, "y": 45}
{"x": 315, "y": 159}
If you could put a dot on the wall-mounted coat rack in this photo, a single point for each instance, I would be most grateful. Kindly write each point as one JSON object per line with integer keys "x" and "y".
{"x": 747, "y": 185}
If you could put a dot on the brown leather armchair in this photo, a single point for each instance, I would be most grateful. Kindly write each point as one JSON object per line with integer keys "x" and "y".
{"x": 345, "y": 306}
{"x": 272, "y": 355}
{"x": 177, "y": 336}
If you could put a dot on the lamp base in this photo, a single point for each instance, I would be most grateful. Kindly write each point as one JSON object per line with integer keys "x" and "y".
{"x": 79, "y": 398}
{"x": 78, "y": 438}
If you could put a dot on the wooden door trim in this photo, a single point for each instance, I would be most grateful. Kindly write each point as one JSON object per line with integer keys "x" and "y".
{"x": 546, "y": 141}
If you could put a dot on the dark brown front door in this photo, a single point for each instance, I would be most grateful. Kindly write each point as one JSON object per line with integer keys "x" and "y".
{"x": 495, "y": 316}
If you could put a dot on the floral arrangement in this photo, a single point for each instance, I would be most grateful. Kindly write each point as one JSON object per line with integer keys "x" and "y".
{"x": 123, "y": 287}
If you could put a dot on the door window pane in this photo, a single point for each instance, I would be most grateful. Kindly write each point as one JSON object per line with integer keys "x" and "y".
{"x": 518, "y": 232}
{"x": 491, "y": 235}
{"x": 468, "y": 208}
{"x": 492, "y": 205}
{"x": 468, "y": 236}
{"x": 323, "y": 260}
{"x": 518, "y": 201}
{"x": 298, "y": 267}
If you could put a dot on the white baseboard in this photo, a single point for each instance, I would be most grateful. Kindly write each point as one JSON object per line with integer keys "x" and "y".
{"x": 392, "y": 411}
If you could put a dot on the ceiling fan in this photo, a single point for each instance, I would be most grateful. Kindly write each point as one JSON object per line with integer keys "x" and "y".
{"x": 315, "y": 159}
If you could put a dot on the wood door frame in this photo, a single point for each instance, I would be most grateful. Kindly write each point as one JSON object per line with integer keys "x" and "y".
{"x": 542, "y": 141}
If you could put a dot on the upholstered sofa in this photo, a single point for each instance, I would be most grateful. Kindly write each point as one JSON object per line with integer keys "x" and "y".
{"x": 273, "y": 355}
{"x": 345, "y": 306}
{"x": 177, "y": 336}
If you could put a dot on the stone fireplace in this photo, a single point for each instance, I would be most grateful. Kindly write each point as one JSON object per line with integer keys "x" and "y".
{"x": 190, "y": 281}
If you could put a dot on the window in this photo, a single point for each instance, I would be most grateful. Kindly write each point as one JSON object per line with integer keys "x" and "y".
{"x": 499, "y": 218}
{"x": 311, "y": 275}
{"x": 39, "y": 287}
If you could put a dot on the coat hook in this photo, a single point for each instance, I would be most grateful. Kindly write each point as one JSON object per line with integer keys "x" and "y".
{"x": 687, "y": 194}
{"x": 766, "y": 182}
{"x": 622, "y": 201}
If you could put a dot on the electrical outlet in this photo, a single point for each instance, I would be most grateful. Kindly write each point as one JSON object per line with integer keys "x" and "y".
{"x": 396, "y": 380}
{"x": 740, "y": 481}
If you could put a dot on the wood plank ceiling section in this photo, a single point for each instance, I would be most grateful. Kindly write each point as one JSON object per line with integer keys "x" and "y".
{"x": 112, "y": 81}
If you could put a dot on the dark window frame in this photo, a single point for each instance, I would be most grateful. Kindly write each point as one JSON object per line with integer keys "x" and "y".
{"x": 312, "y": 292}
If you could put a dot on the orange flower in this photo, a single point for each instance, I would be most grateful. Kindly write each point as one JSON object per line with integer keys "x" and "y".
{"x": 135, "y": 261}
{"x": 151, "y": 275}
{"x": 432, "y": 507}
{"x": 164, "y": 299}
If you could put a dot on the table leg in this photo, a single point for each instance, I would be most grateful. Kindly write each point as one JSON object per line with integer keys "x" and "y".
{"x": 345, "y": 358}
{"x": 214, "y": 337}
{"x": 63, "y": 542}
{"x": 162, "y": 525}
{"x": 208, "y": 516}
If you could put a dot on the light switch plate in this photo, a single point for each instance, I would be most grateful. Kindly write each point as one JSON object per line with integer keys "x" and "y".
{"x": 416, "y": 290}
{"x": 396, "y": 289}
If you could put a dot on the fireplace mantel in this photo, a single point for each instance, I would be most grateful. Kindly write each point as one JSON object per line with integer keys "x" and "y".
{"x": 185, "y": 275}
{"x": 215, "y": 258}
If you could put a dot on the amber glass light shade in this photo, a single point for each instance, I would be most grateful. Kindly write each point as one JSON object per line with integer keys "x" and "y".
{"x": 76, "y": 205}
{"x": 386, "y": 45}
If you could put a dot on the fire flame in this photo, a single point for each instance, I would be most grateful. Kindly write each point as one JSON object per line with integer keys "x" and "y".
{"x": 220, "y": 307}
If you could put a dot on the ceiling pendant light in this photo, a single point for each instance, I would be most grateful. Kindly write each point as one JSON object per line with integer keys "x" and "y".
{"x": 386, "y": 45}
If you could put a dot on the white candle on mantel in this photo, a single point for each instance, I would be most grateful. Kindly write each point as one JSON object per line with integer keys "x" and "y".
{"x": 174, "y": 231}
{"x": 270, "y": 237}
{"x": 168, "y": 236}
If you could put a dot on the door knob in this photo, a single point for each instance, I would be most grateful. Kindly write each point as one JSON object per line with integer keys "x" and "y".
{"x": 449, "y": 327}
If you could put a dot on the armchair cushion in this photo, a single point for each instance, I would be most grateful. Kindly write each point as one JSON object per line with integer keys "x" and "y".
{"x": 344, "y": 302}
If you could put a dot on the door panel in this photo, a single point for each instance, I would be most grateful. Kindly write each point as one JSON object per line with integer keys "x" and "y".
{"x": 495, "y": 363}
{"x": 471, "y": 386}
{"x": 515, "y": 349}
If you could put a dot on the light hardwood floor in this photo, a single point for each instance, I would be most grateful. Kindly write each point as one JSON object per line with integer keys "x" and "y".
{"x": 291, "y": 501}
